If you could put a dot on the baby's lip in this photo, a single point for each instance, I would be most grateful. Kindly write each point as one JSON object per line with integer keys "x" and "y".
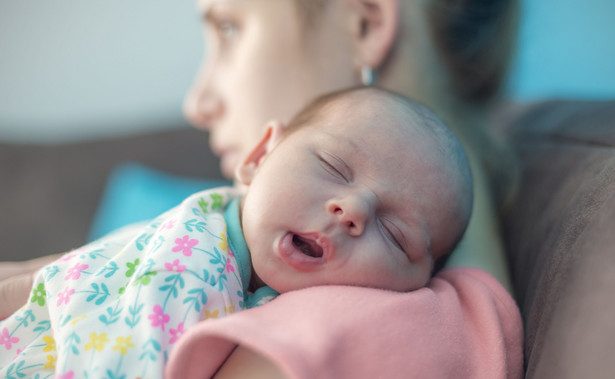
{"x": 310, "y": 244}
{"x": 305, "y": 251}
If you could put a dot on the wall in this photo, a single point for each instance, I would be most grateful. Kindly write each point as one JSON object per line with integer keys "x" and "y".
{"x": 74, "y": 70}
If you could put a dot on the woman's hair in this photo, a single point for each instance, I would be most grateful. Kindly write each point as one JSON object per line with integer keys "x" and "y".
{"x": 474, "y": 38}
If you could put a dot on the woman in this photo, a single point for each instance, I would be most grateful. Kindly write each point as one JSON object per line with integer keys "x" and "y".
{"x": 265, "y": 59}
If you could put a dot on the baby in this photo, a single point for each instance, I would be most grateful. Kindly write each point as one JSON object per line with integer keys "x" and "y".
{"x": 363, "y": 187}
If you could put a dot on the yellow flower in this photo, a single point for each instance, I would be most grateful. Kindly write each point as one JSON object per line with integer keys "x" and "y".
{"x": 123, "y": 344}
{"x": 50, "y": 343}
{"x": 230, "y": 309}
{"x": 77, "y": 319}
{"x": 51, "y": 361}
{"x": 97, "y": 341}
{"x": 224, "y": 243}
{"x": 211, "y": 314}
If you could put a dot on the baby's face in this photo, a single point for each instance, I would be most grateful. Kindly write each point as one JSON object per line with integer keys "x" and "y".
{"x": 346, "y": 202}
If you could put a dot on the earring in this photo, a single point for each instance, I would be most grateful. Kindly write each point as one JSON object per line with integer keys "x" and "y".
{"x": 367, "y": 75}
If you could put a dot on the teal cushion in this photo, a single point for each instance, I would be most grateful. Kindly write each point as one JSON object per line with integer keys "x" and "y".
{"x": 135, "y": 192}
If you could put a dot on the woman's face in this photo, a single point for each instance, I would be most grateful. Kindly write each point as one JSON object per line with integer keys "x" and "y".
{"x": 264, "y": 62}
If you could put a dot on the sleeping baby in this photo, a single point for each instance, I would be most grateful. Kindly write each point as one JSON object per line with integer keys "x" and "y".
{"x": 363, "y": 187}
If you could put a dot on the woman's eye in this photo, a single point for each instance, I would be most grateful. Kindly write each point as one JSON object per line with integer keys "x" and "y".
{"x": 227, "y": 30}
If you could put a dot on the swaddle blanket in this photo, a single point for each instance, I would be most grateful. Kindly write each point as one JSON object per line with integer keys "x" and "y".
{"x": 115, "y": 307}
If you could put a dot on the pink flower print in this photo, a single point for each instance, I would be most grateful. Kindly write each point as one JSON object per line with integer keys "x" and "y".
{"x": 229, "y": 266}
{"x": 74, "y": 272}
{"x": 177, "y": 333}
{"x": 68, "y": 257}
{"x": 175, "y": 266}
{"x": 168, "y": 225}
{"x": 68, "y": 375}
{"x": 158, "y": 317}
{"x": 7, "y": 340}
{"x": 64, "y": 296}
{"x": 185, "y": 245}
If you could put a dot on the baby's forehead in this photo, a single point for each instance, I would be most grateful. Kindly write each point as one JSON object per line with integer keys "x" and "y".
{"x": 375, "y": 117}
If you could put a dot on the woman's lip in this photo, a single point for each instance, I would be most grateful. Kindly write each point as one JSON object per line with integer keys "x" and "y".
{"x": 295, "y": 258}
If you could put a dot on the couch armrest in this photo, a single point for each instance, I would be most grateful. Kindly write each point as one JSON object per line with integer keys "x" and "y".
{"x": 560, "y": 236}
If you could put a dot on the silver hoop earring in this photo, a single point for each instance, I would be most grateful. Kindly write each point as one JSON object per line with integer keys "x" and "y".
{"x": 367, "y": 75}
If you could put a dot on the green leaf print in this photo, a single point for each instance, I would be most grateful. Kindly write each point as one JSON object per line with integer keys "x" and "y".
{"x": 132, "y": 267}
{"x": 203, "y": 205}
{"x": 218, "y": 201}
{"x": 39, "y": 294}
{"x": 145, "y": 278}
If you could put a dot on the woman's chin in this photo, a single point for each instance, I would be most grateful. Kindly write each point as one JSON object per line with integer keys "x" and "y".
{"x": 228, "y": 163}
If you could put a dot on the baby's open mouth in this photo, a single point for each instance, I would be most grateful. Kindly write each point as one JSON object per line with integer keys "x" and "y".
{"x": 307, "y": 246}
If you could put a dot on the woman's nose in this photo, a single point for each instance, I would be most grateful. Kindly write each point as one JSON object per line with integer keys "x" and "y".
{"x": 351, "y": 212}
{"x": 203, "y": 109}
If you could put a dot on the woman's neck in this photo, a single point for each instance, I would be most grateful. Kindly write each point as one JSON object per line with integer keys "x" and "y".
{"x": 487, "y": 149}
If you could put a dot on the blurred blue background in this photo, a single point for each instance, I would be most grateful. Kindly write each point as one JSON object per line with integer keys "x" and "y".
{"x": 566, "y": 49}
{"x": 75, "y": 70}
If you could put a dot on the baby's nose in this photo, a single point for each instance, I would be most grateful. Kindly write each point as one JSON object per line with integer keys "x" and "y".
{"x": 352, "y": 213}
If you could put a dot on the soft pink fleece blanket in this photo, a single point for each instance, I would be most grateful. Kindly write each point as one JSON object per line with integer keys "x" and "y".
{"x": 464, "y": 325}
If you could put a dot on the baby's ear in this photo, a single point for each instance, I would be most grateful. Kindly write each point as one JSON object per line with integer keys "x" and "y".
{"x": 273, "y": 134}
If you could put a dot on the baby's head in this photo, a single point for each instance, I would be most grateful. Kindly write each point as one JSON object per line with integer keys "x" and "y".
{"x": 364, "y": 187}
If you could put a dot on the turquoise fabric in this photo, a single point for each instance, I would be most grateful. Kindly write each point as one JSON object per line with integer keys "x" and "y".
{"x": 237, "y": 242}
{"x": 136, "y": 193}
{"x": 239, "y": 247}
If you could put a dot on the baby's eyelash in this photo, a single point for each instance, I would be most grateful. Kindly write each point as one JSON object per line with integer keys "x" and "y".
{"x": 390, "y": 235}
{"x": 331, "y": 168}
{"x": 336, "y": 166}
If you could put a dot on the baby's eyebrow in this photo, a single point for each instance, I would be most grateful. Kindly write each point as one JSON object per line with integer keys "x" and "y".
{"x": 344, "y": 139}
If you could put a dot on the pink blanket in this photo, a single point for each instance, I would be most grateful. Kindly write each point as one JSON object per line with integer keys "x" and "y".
{"x": 464, "y": 325}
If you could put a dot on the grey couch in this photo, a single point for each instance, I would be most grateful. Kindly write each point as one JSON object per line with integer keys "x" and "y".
{"x": 559, "y": 230}
{"x": 560, "y": 236}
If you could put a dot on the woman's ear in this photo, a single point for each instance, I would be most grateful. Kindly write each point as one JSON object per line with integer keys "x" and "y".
{"x": 375, "y": 26}
{"x": 247, "y": 169}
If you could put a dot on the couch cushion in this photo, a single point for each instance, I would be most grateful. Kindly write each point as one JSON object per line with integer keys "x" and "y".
{"x": 49, "y": 193}
{"x": 135, "y": 193}
{"x": 560, "y": 236}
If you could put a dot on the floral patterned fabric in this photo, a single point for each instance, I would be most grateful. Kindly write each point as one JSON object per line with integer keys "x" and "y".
{"x": 116, "y": 307}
